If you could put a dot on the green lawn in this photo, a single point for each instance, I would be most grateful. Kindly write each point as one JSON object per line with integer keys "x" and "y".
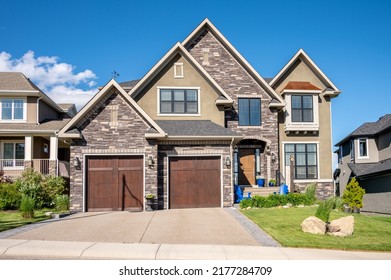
{"x": 13, "y": 219}
{"x": 372, "y": 233}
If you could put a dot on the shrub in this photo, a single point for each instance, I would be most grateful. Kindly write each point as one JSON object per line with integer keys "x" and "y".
{"x": 310, "y": 192}
{"x": 324, "y": 209}
{"x": 61, "y": 202}
{"x": 10, "y": 197}
{"x": 52, "y": 186}
{"x": 246, "y": 203}
{"x": 353, "y": 194}
{"x": 43, "y": 189}
{"x": 27, "y": 206}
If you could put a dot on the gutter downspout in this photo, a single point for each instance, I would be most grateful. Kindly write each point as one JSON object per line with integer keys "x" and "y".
{"x": 232, "y": 175}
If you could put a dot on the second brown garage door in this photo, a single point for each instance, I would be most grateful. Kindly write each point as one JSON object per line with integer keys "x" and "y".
{"x": 114, "y": 183}
{"x": 195, "y": 182}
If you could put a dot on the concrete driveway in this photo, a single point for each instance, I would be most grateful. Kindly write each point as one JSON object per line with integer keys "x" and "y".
{"x": 214, "y": 226}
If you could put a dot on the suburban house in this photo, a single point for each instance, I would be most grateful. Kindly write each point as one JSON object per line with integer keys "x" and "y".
{"x": 366, "y": 155}
{"x": 29, "y": 124}
{"x": 200, "y": 122}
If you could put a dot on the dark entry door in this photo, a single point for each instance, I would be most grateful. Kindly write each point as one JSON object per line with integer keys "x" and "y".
{"x": 114, "y": 183}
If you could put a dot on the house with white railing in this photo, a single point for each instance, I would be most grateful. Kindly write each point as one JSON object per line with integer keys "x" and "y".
{"x": 29, "y": 124}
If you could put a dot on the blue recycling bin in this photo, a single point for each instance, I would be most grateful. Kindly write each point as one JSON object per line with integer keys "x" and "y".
{"x": 260, "y": 182}
{"x": 238, "y": 194}
{"x": 283, "y": 189}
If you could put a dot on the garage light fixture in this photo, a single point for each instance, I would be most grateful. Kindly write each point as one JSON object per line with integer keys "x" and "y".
{"x": 150, "y": 161}
{"x": 76, "y": 163}
{"x": 227, "y": 161}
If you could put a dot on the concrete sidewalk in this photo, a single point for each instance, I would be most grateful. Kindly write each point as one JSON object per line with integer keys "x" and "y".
{"x": 38, "y": 249}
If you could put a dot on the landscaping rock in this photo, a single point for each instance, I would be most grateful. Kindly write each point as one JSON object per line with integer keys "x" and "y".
{"x": 313, "y": 225}
{"x": 48, "y": 214}
{"x": 343, "y": 227}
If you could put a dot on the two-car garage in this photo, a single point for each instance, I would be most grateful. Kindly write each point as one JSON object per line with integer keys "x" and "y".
{"x": 115, "y": 183}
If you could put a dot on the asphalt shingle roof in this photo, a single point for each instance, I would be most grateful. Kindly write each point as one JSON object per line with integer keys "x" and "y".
{"x": 129, "y": 84}
{"x": 50, "y": 125}
{"x": 16, "y": 81}
{"x": 370, "y": 128}
{"x": 194, "y": 128}
{"x": 365, "y": 169}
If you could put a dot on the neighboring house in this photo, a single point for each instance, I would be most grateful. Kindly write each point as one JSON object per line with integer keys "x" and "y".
{"x": 29, "y": 123}
{"x": 366, "y": 154}
{"x": 199, "y": 122}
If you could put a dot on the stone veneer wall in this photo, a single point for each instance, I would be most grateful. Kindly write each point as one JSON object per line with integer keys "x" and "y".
{"x": 237, "y": 82}
{"x": 193, "y": 148}
{"x": 112, "y": 127}
{"x": 323, "y": 190}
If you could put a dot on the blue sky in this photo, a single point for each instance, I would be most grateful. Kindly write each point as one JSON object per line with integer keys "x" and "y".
{"x": 69, "y": 48}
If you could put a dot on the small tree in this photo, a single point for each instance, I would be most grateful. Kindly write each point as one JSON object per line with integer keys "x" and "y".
{"x": 353, "y": 194}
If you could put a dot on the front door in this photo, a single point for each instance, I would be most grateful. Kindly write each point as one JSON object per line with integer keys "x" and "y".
{"x": 246, "y": 167}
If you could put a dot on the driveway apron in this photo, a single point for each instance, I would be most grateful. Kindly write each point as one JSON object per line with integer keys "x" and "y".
{"x": 215, "y": 226}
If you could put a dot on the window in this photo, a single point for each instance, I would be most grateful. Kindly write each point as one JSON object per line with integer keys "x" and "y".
{"x": 178, "y": 101}
{"x": 305, "y": 160}
{"x": 363, "y": 146}
{"x": 302, "y": 108}
{"x": 12, "y": 109}
{"x": 249, "y": 111}
{"x": 13, "y": 154}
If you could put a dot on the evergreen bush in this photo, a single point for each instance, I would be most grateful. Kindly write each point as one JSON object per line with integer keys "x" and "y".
{"x": 27, "y": 207}
{"x": 353, "y": 194}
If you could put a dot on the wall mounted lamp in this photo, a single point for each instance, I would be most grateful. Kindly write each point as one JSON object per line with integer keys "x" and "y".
{"x": 150, "y": 161}
{"x": 76, "y": 163}
{"x": 227, "y": 161}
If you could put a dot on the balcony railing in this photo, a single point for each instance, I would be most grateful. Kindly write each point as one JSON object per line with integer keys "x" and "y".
{"x": 15, "y": 167}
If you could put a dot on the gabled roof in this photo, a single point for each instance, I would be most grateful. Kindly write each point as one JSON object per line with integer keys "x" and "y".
{"x": 69, "y": 132}
{"x": 128, "y": 85}
{"x": 18, "y": 83}
{"x": 331, "y": 90}
{"x": 177, "y": 49}
{"x": 196, "y": 129}
{"x": 206, "y": 24}
{"x": 370, "y": 129}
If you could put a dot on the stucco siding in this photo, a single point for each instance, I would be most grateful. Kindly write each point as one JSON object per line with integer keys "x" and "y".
{"x": 149, "y": 98}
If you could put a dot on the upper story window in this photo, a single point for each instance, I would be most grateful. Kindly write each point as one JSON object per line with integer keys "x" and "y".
{"x": 352, "y": 150}
{"x": 305, "y": 160}
{"x": 179, "y": 101}
{"x": 302, "y": 108}
{"x": 249, "y": 111}
{"x": 12, "y": 109}
{"x": 363, "y": 147}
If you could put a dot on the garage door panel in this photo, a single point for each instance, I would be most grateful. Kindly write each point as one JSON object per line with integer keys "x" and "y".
{"x": 195, "y": 182}
{"x": 114, "y": 183}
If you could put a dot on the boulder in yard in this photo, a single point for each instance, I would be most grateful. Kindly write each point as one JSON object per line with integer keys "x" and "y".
{"x": 313, "y": 225}
{"x": 345, "y": 226}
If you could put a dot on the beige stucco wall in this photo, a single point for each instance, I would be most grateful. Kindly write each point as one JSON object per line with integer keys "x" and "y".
{"x": 373, "y": 155}
{"x": 31, "y": 109}
{"x": 148, "y": 99}
{"x": 301, "y": 72}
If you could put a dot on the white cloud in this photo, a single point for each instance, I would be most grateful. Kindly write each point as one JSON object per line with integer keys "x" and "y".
{"x": 56, "y": 79}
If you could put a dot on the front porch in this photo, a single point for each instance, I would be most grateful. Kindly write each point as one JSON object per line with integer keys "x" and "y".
{"x": 45, "y": 154}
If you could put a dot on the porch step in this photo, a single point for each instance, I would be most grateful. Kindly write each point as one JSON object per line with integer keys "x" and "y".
{"x": 264, "y": 191}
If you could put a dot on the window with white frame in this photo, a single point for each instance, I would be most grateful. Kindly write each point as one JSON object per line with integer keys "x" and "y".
{"x": 363, "y": 147}
{"x": 12, "y": 154}
{"x": 305, "y": 160}
{"x": 179, "y": 101}
{"x": 12, "y": 109}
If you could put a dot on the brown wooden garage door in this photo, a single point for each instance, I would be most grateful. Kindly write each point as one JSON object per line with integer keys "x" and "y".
{"x": 114, "y": 183}
{"x": 194, "y": 182}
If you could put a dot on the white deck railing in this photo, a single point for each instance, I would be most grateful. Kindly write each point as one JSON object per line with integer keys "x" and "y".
{"x": 15, "y": 167}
